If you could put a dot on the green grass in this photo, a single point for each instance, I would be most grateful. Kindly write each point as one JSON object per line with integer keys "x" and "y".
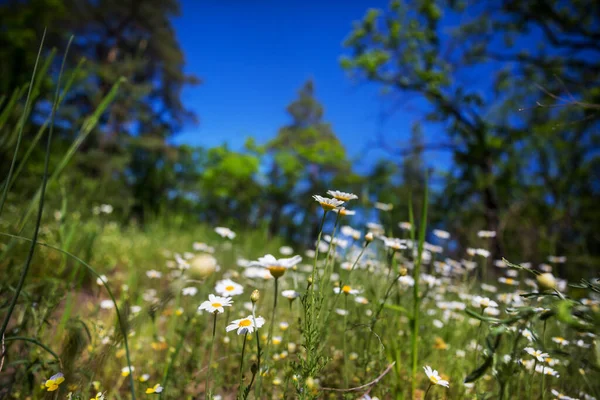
{"x": 61, "y": 315}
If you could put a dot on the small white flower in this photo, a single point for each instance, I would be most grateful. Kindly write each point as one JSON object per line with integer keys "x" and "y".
{"x": 326, "y": 203}
{"x": 101, "y": 280}
{"x": 290, "y": 294}
{"x": 153, "y": 274}
{"x": 107, "y": 304}
{"x": 343, "y": 196}
{"x": 486, "y": 234}
{"x": 434, "y": 377}
{"x": 215, "y": 304}
{"x": 225, "y": 232}
{"x": 228, "y": 288}
{"x": 245, "y": 325}
{"x": 384, "y": 206}
{"x": 536, "y": 353}
{"x": 189, "y": 291}
{"x": 286, "y": 250}
{"x": 441, "y": 234}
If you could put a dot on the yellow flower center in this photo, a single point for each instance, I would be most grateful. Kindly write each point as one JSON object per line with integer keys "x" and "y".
{"x": 216, "y": 305}
{"x": 276, "y": 270}
{"x": 346, "y": 289}
{"x": 434, "y": 379}
{"x": 245, "y": 322}
{"x": 328, "y": 207}
{"x": 229, "y": 288}
{"x": 509, "y": 281}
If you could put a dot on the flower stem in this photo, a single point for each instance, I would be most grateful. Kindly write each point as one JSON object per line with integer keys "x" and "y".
{"x": 242, "y": 361}
{"x": 427, "y": 391}
{"x": 210, "y": 355}
{"x": 344, "y": 341}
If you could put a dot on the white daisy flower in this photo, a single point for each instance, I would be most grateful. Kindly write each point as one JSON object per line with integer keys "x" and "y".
{"x": 215, "y": 304}
{"x": 343, "y": 196}
{"x": 229, "y": 288}
{"x": 245, "y": 325}
{"x": 225, "y": 232}
{"x": 434, "y": 377}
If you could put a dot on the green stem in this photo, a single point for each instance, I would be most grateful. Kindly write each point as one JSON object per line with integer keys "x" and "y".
{"x": 242, "y": 362}
{"x": 317, "y": 250}
{"x": 543, "y": 383}
{"x": 270, "y": 335}
{"x": 210, "y": 355}
{"x": 427, "y": 391}
{"x": 344, "y": 341}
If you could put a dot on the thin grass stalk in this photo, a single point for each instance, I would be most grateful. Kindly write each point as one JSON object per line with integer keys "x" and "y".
{"x": 19, "y": 137}
{"x": 110, "y": 294}
{"x": 167, "y": 372}
{"x": 416, "y": 297}
{"x": 210, "y": 355}
{"x": 38, "y": 222}
{"x": 37, "y": 343}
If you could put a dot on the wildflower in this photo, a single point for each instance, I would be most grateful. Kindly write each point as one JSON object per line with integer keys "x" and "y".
{"x": 286, "y": 250}
{"x": 125, "y": 371}
{"x": 153, "y": 274}
{"x": 154, "y": 389}
{"x": 189, "y": 291}
{"x": 144, "y": 378}
{"x": 394, "y": 243}
{"x": 536, "y": 353}
{"x": 441, "y": 234}
{"x": 346, "y": 290}
{"x": 383, "y": 206}
{"x": 361, "y": 300}
{"x": 215, "y": 304}
{"x": 508, "y": 281}
{"x": 277, "y": 267}
{"x": 344, "y": 211}
{"x": 434, "y": 378}
{"x": 284, "y": 326}
{"x": 527, "y": 334}
{"x": 369, "y": 237}
{"x": 440, "y": 344}
{"x": 327, "y": 204}
{"x": 341, "y": 311}
{"x": 245, "y": 325}
{"x": 135, "y": 309}
{"x": 486, "y": 234}
{"x": 107, "y": 304}
{"x": 482, "y": 252}
{"x": 542, "y": 369}
{"x": 406, "y": 226}
{"x": 101, "y": 280}
{"x": 483, "y": 302}
{"x": 343, "y": 196}
{"x": 560, "y": 396}
{"x": 98, "y": 396}
{"x": 560, "y": 341}
{"x": 351, "y": 232}
{"x": 225, "y": 232}
{"x": 229, "y": 288}
{"x": 546, "y": 281}
{"x": 54, "y": 381}
{"x": 557, "y": 259}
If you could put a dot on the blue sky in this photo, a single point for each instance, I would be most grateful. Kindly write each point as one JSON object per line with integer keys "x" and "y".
{"x": 254, "y": 56}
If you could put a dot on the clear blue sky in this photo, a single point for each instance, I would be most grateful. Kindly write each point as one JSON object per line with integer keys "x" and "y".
{"x": 253, "y": 56}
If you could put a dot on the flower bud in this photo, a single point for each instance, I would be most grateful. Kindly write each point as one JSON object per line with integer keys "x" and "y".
{"x": 369, "y": 237}
{"x": 546, "y": 281}
{"x": 255, "y": 296}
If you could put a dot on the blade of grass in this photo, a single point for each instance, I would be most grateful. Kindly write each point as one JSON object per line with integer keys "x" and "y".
{"x": 85, "y": 130}
{"x": 38, "y": 222}
{"x": 37, "y": 343}
{"x": 416, "y": 275}
{"x": 42, "y": 129}
{"x": 20, "y": 135}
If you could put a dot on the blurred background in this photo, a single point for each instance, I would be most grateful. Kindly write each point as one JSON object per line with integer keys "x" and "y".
{"x": 235, "y": 112}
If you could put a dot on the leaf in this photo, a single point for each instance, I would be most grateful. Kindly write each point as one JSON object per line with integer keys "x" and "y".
{"x": 473, "y": 376}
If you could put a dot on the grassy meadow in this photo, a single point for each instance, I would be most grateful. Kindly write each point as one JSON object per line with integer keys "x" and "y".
{"x": 360, "y": 316}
